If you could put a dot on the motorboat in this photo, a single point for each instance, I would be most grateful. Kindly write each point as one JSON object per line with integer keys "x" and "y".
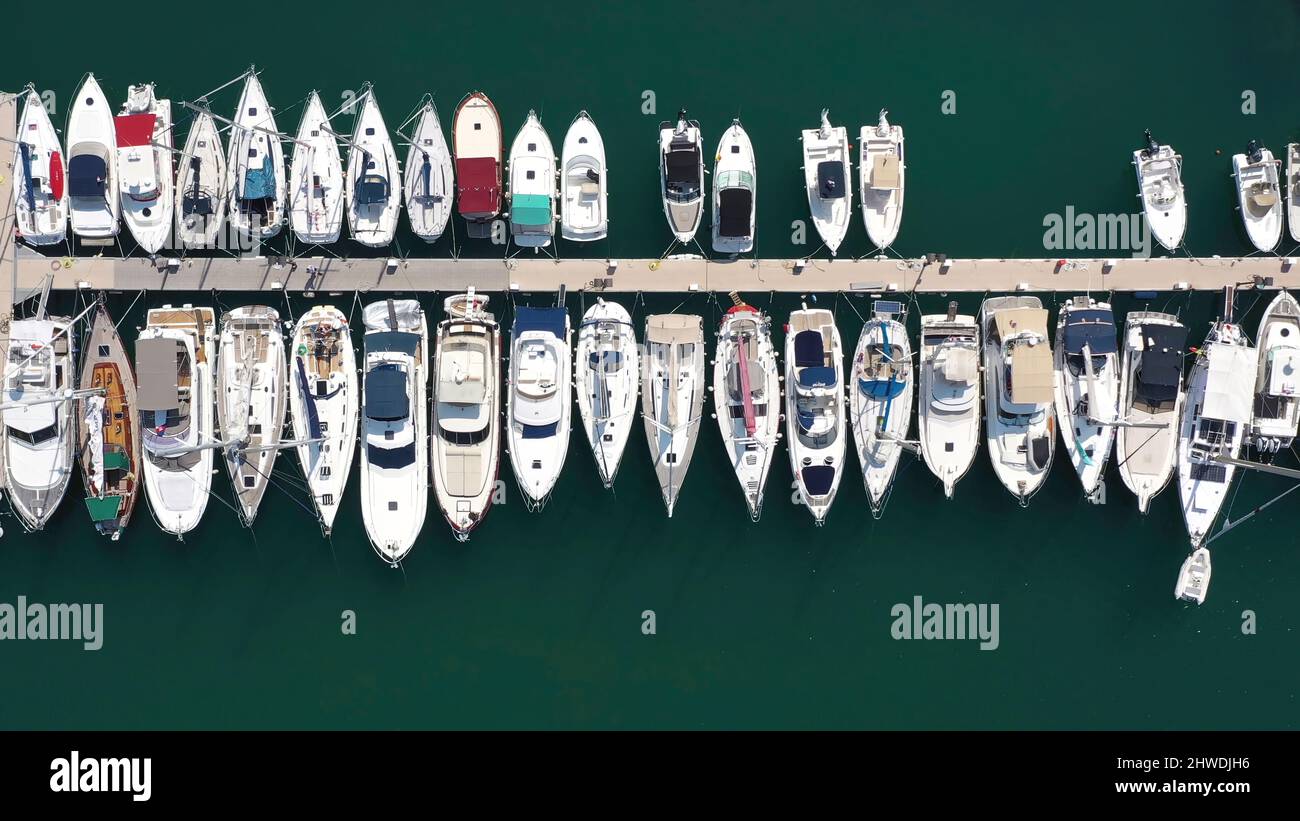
{"x": 477, "y": 143}
{"x": 672, "y": 396}
{"x": 814, "y": 407}
{"x": 1259, "y": 199}
{"x": 144, "y": 166}
{"x": 373, "y": 197}
{"x": 1086, "y": 376}
{"x": 108, "y": 443}
{"x": 255, "y": 175}
{"x": 323, "y": 403}
{"x": 466, "y": 440}
{"x": 94, "y": 206}
{"x": 316, "y": 178}
{"x": 880, "y": 403}
{"x": 1277, "y": 376}
{"x": 734, "y": 203}
{"x": 747, "y": 397}
{"x": 40, "y": 195}
{"x": 826, "y": 176}
{"x": 174, "y": 359}
{"x": 584, "y": 189}
{"x": 608, "y": 364}
{"x": 1160, "y": 186}
{"x": 394, "y": 413}
{"x": 1018, "y": 392}
{"x": 201, "y": 192}
{"x": 429, "y": 177}
{"x": 532, "y": 186}
{"x": 882, "y": 172}
{"x": 1293, "y": 190}
{"x": 539, "y": 400}
{"x": 948, "y": 408}
{"x": 1150, "y": 402}
{"x": 1194, "y": 577}
{"x": 681, "y": 176}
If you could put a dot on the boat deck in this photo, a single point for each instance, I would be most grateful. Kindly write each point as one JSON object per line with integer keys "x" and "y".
{"x": 8, "y": 252}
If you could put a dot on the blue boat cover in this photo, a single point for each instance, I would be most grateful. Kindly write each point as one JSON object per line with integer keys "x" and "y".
{"x": 819, "y": 377}
{"x": 540, "y": 431}
{"x": 372, "y": 189}
{"x": 403, "y": 342}
{"x": 1095, "y": 328}
{"x": 308, "y": 401}
{"x": 808, "y": 351}
{"x": 817, "y": 479}
{"x": 551, "y": 320}
{"x": 386, "y": 399}
{"x": 259, "y": 183}
{"x": 87, "y": 176}
{"x": 881, "y": 388}
{"x": 29, "y": 194}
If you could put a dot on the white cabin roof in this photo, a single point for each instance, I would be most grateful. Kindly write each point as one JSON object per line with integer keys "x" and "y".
{"x": 1230, "y": 384}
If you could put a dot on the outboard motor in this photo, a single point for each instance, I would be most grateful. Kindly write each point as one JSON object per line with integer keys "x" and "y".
{"x": 1254, "y": 152}
{"x": 1153, "y": 147}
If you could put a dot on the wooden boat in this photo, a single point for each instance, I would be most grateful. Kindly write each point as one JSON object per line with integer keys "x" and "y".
{"x": 107, "y": 446}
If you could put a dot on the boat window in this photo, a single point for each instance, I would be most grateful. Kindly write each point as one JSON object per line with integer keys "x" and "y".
{"x": 465, "y": 438}
{"x": 35, "y": 437}
{"x": 391, "y": 458}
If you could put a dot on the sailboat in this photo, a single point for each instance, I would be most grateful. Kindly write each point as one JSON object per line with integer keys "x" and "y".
{"x": 826, "y": 178}
{"x": 255, "y": 166}
{"x": 1150, "y": 402}
{"x": 316, "y": 178}
{"x": 1293, "y": 190}
{"x": 144, "y": 166}
{"x": 1086, "y": 380}
{"x": 814, "y": 407}
{"x": 323, "y": 401}
{"x": 747, "y": 397}
{"x": 94, "y": 205}
{"x": 532, "y": 186}
{"x": 1018, "y": 392}
{"x": 880, "y": 407}
{"x": 672, "y": 396}
{"x": 608, "y": 376}
{"x": 1277, "y": 376}
{"x": 373, "y": 196}
{"x": 476, "y": 141}
{"x": 466, "y": 437}
{"x": 1160, "y": 186}
{"x": 1194, "y": 577}
{"x": 429, "y": 177}
{"x": 108, "y": 443}
{"x": 948, "y": 410}
{"x": 1258, "y": 197}
{"x": 539, "y": 400}
{"x": 584, "y": 190}
{"x": 394, "y": 415}
{"x": 251, "y": 400}
{"x": 201, "y": 192}
{"x": 882, "y": 171}
{"x": 174, "y": 358}
{"x": 40, "y": 196}
{"x": 681, "y": 175}
{"x": 734, "y": 180}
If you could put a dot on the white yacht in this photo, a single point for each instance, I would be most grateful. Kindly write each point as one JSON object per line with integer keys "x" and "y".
{"x": 1277, "y": 376}
{"x": 734, "y": 197}
{"x": 476, "y": 140}
{"x": 466, "y": 440}
{"x": 827, "y": 179}
{"x": 174, "y": 359}
{"x": 880, "y": 404}
{"x": 532, "y": 186}
{"x": 1293, "y": 190}
{"x": 144, "y": 166}
{"x": 201, "y": 192}
{"x": 608, "y": 376}
{"x": 539, "y": 399}
{"x": 814, "y": 407}
{"x": 681, "y": 176}
{"x": 584, "y": 189}
{"x": 882, "y": 172}
{"x": 373, "y": 196}
{"x": 429, "y": 178}
{"x": 948, "y": 409}
{"x": 1150, "y": 402}
{"x": 1086, "y": 366}
{"x": 1194, "y": 577}
{"x": 394, "y": 412}
{"x": 94, "y": 206}
{"x": 316, "y": 178}
{"x": 1018, "y": 392}
{"x": 1259, "y": 199}
{"x": 40, "y": 197}
{"x": 672, "y": 396}
{"x": 1160, "y": 186}
{"x": 255, "y": 177}
{"x": 747, "y": 397}
{"x": 323, "y": 402}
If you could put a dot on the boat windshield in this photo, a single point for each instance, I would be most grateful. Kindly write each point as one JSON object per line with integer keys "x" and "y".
{"x": 35, "y": 437}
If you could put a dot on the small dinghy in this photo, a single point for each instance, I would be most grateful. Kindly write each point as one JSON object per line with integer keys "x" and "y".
{"x": 826, "y": 176}
{"x": 1194, "y": 577}
{"x": 882, "y": 172}
{"x": 477, "y": 143}
{"x": 1293, "y": 190}
{"x": 880, "y": 409}
{"x": 109, "y": 437}
{"x": 1160, "y": 185}
{"x": 539, "y": 400}
{"x": 1018, "y": 392}
{"x": 251, "y": 401}
{"x": 948, "y": 411}
{"x": 323, "y": 401}
{"x": 1258, "y": 197}
{"x": 316, "y": 178}
{"x": 608, "y": 374}
{"x": 201, "y": 191}
{"x": 734, "y": 202}
{"x": 681, "y": 176}
{"x": 1277, "y": 376}
{"x": 144, "y": 166}
{"x": 373, "y": 197}
{"x": 1150, "y": 402}
{"x": 672, "y": 396}
{"x": 429, "y": 177}
{"x": 532, "y": 186}
{"x": 1087, "y": 386}
{"x": 584, "y": 194}
{"x": 40, "y": 196}
{"x": 747, "y": 397}
{"x": 814, "y": 407}
{"x": 94, "y": 206}
{"x": 255, "y": 166}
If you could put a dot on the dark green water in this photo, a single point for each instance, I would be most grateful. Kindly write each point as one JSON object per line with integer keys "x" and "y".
{"x": 537, "y": 621}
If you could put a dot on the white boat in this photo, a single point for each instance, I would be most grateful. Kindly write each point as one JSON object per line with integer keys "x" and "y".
{"x": 814, "y": 407}
{"x": 584, "y": 188}
{"x": 174, "y": 359}
{"x": 672, "y": 396}
{"x": 40, "y": 426}
{"x": 323, "y": 402}
{"x": 747, "y": 397}
{"x": 1215, "y": 418}
{"x": 94, "y": 206}
{"x": 608, "y": 376}
{"x": 539, "y": 400}
{"x": 316, "y": 178}
{"x": 255, "y": 177}
{"x": 1194, "y": 577}
{"x": 532, "y": 186}
{"x": 1277, "y": 376}
{"x": 40, "y": 197}
{"x": 477, "y": 143}
{"x": 250, "y": 401}
{"x": 734, "y": 193}
{"x": 1018, "y": 392}
{"x": 1086, "y": 366}
{"x": 882, "y": 172}
{"x": 1259, "y": 199}
{"x": 394, "y": 413}
{"x": 681, "y": 175}
{"x": 1160, "y": 186}
{"x": 1150, "y": 402}
{"x": 827, "y": 178}
{"x": 948, "y": 409}
{"x": 373, "y": 196}
{"x": 201, "y": 192}
{"x": 466, "y": 440}
{"x": 144, "y": 166}
{"x": 880, "y": 404}
{"x": 429, "y": 181}
{"x": 1293, "y": 190}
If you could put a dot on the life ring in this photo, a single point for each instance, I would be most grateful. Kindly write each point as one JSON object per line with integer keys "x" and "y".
{"x": 55, "y": 265}
{"x": 67, "y": 262}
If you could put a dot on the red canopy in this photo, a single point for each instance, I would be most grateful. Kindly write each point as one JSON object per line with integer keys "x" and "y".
{"x": 56, "y": 175}
{"x": 134, "y": 129}
{"x": 478, "y": 185}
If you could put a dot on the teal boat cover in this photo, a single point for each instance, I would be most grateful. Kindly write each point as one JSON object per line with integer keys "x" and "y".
{"x": 530, "y": 209}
